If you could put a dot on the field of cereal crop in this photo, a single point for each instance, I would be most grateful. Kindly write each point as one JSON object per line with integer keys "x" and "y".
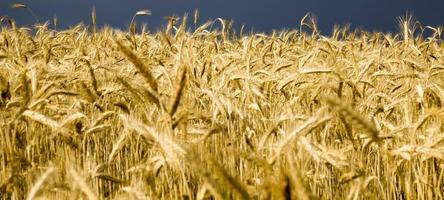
{"x": 194, "y": 112}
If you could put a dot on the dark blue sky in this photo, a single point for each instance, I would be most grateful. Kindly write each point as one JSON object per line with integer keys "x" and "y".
{"x": 263, "y": 15}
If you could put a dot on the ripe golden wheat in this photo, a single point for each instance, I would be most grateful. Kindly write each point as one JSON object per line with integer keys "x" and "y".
{"x": 203, "y": 113}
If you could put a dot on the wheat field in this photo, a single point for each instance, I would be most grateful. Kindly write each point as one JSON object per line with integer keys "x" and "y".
{"x": 204, "y": 111}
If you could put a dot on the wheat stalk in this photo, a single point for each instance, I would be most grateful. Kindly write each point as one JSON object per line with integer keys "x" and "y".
{"x": 38, "y": 184}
